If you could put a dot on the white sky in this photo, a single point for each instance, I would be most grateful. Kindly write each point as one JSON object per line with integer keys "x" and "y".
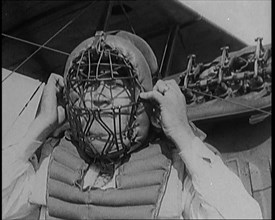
{"x": 245, "y": 19}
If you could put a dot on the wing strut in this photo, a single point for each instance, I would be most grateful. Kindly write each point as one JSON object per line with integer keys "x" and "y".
{"x": 127, "y": 17}
{"x": 168, "y": 51}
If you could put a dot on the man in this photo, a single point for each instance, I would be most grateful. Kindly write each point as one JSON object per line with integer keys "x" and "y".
{"x": 108, "y": 165}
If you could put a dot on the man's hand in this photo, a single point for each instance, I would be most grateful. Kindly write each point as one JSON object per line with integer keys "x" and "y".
{"x": 50, "y": 113}
{"x": 172, "y": 104}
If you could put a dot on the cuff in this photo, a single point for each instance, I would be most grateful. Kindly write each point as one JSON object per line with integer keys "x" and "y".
{"x": 38, "y": 193}
{"x": 14, "y": 162}
{"x": 24, "y": 148}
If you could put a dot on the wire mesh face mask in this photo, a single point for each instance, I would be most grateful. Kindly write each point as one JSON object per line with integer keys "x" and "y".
{"x": 102, "y": 89}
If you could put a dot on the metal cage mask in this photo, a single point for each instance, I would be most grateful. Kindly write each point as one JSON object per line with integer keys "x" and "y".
{"x": 101, "y": 64}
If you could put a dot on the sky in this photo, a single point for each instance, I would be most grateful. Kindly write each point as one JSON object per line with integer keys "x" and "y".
{"x": 245, "y": 19}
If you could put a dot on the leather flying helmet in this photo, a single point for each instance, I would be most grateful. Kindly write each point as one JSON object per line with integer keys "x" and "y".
{"x": 101, "y": 70}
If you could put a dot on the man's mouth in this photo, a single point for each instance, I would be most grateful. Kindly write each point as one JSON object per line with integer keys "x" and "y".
{"x": 104, "y": 136}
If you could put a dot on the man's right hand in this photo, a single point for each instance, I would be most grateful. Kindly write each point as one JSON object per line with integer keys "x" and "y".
{"x": 172, "y": 105}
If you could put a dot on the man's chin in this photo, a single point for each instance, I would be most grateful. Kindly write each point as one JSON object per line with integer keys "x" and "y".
{"x": 104, "y": 144}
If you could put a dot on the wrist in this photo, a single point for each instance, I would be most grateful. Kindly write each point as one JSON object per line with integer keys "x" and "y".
{"x": 39, "y": 129}
{"x": 183, "y": 137}
{"x": 36, "y": 134}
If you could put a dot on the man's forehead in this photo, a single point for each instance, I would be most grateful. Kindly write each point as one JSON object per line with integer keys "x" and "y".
{"x": 94, "y": 84}
{"x": 106, "y": 87}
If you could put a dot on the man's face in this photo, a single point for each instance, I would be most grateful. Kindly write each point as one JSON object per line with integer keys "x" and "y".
{"x": 105, "y": 95}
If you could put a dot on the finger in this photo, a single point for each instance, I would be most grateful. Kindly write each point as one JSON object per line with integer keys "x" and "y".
{"x": 59, "y": 85}
{"x": 173, "y": 84}
{"x": 61, "y": 114}
{"x": 57, "y": 81}
{"x": 161, "y": 87}
{"x": 53, "y": 77}
{"x": 63, "y": 127}
{"x": 152, "y": 95}
{"x": 60, "y": 81}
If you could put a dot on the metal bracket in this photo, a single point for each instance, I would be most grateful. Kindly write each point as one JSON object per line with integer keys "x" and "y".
{"x": 223, "y": 63}
{"x": 258, "y": 55}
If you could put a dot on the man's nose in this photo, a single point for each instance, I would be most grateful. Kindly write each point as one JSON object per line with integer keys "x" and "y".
{"x": 101, "y": 102}
{"x": 100, "y": 96}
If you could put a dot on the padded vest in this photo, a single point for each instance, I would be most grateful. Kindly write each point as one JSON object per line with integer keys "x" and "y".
{"x": 140, "y": 186}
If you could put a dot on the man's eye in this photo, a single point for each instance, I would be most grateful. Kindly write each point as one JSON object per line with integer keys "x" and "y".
{"x": 114, "y": 83}
{"x": 108, "y": 84}
{"x": 119, "y": 82}
{"x": 107, "y": 114}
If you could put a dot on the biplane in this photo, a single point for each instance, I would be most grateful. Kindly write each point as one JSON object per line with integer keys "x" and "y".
{"x": 227, "y": 83}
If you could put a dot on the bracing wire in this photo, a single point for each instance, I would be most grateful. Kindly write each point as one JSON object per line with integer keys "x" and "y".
{"x": 59, "y": 31}
{"x": 230, "y": 101}
{"x": 35, "y": 44}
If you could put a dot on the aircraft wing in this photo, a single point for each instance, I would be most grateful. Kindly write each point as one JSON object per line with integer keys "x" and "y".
{"x": 45, "y": 32}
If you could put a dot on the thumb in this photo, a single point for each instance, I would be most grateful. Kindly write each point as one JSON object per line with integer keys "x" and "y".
{"x": 61, "y": 114}
{"x": 152, "y": 95}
